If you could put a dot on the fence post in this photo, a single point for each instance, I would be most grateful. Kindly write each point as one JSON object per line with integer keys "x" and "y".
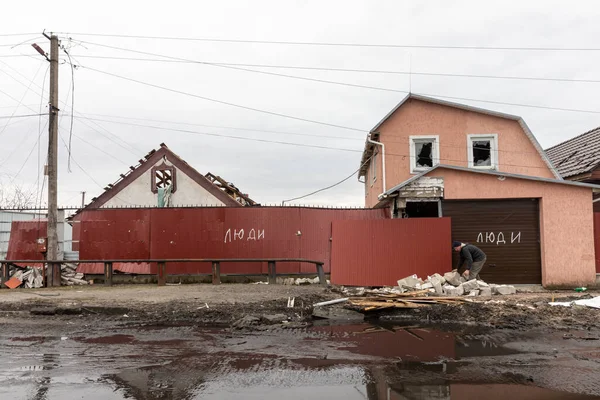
{"x": 5, "y": 274}
{"x": 321, "y": 274}
{"x": 162, "y": 273}
{"x": 108, "y": 274}
{"x": 55, "y": 268}
{"x": 216, "y": 273}
{"x": 272, "y": 273}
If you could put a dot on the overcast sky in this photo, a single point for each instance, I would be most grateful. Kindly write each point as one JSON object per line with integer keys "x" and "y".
{"x": 271, "y": 172}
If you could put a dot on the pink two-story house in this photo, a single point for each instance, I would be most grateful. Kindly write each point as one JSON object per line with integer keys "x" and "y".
{"x": 485, "y": 170}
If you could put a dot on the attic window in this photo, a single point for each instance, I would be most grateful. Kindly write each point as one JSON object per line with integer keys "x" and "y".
{"x": 482, "y": 151}
{"x": 424, "y": 152}
{"x": 162, "y": 177}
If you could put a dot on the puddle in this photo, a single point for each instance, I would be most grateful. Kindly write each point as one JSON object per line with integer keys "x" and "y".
{"x": 348, "y": 362}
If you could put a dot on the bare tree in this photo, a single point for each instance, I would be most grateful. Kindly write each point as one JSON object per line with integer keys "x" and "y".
{"x": 15, "y": 196}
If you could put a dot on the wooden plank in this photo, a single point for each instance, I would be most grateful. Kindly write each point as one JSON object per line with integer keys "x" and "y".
{"x": 108, "y": 274}
{"x": 321, "y": 275}
{"x": 272, "y": 273}
{"x": 216, "y": 273}
{"x": 162, "y": 274}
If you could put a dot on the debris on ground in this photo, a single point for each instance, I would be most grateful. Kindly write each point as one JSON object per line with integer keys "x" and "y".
{"x": 451, "y": 284}
{"x": 593, "y": 302}
{"x": 303, "y": 281}
{"x": 414, "y": 299}
{"x": 69, "y": 277}
{"x": 33, "y": 278}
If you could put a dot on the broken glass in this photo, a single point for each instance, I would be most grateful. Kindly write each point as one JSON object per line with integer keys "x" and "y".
{"x": 424, "y": 154}
{"x": 482, "y": 153}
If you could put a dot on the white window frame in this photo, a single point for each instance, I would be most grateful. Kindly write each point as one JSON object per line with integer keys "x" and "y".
{"x": 493, "y": 138}
{"x": 413, "y": 156}
{"x": 374, "y": 168}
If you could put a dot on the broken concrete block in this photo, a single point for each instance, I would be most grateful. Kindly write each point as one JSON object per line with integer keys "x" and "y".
{"x": 482, "y": 283}
{"x": 426, "y": 285}
{"x": 485, "y": 291}
{"x": 505, "y": 289}
{"x": 438, "y": 288}
{"x": 452, "y": 278}
{"x": 470, "y": 285}
{"x": 474, "y": 292}
{"x": 453, "y": 290}
{"x": 410, "y": 282}
{"x": 436, "y": 278}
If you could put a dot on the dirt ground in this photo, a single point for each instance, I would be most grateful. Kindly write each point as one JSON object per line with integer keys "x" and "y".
{"x": 98, "y": 338}
{"x": 225, "y": 304}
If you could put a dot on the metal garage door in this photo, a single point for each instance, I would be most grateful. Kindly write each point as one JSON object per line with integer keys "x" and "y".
{"x": 508, "y": 231}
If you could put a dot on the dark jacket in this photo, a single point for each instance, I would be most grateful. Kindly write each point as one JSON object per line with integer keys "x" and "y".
{"x": 470, "y": 254}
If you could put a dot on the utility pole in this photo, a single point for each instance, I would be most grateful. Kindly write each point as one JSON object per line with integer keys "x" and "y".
{"x": 52, "y": 253}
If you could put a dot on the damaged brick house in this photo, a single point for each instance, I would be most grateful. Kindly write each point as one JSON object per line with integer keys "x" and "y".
{"x": 578, "y": 159}
{"x": 487, "y": 172}
{"x": 163, "y": 179}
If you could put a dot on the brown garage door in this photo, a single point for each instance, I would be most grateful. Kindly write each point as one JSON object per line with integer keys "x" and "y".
{"x": 508, "y": 231}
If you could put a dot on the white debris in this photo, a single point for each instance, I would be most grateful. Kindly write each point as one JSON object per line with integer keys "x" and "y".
{"x": 410, "y": 282}
{"x": 452, "y": 278}
{"x": 485, "y": 291}
{"x": 470, "y": 285}
{"x": 504, "y": 289}
{"x": 473, "y": 293}
{"x": 593, "y": 303}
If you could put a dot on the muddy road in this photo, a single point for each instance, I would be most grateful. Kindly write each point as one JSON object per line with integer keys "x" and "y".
{"x": 87, "y": 346}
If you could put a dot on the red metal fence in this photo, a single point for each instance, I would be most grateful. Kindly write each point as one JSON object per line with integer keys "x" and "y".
{"x": 378, "y": 253}
{"x": 217, "y": 232}
{"x": 22, "y": 244}
{"x": 597, "y": 240}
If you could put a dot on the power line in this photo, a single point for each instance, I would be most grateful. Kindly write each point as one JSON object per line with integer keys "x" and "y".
{"x": 224, "y": 102}
{"x": 19, "y": 34}
{"x": 91, "y": 127}
{"x": 330, "y": 186}
{"x": 375, "y": 45}
{"x": 370, "y": 71}
{"x": 20, "y": 116}
{"x": 21, "y": 100}
{"x": 329, "y": 82}
{"x": 232, "y": 137}
{"x": 250, "y": 70}
{"x": 289, "y": 143}
{"x": 85, "y": 116}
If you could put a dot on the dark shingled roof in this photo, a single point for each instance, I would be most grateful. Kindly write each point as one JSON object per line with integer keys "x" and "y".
{"x": 578, "y": 155}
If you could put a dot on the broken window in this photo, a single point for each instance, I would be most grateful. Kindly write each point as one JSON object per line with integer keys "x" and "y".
{"x": 163, "y": 177}
{"x": 483, "y": 151}
{"x": 424, "y": 152}
{"x": 424, "y": 155}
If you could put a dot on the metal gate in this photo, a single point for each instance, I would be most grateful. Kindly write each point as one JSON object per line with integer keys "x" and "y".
{"x": 508, "y": 231}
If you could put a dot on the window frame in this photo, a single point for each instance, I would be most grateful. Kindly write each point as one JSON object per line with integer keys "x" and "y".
{"x": 163, "y": 167}
{"x": 493, "y": 138}
{"x": 435, "y": 151}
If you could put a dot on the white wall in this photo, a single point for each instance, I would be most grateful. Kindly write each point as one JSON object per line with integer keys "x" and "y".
{"x": 139, "y": 193}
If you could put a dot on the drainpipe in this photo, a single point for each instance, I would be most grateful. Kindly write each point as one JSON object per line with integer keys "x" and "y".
{"x": 382, "y": 159}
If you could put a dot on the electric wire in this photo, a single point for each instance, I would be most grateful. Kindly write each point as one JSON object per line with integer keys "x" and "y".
{"x": 330, "y": 186}
{"x": 328, "y": 44}
{"x": 223, "y": 102}
{"x": 370, "y": 71}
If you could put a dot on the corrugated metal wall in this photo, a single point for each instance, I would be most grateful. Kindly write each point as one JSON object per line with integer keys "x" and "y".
{"x": 211, "y": 232}
{"x": 6, "y": 219}
{"x": 597, "y": 239}
{"x": 378, "y": 253}
{"x": 23, "y": 240}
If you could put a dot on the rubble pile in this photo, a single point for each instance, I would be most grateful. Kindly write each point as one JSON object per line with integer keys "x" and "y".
{"x": 32, "y": 277}
{"x": 453, "y": 284}
{"x": 69, "y": 277}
